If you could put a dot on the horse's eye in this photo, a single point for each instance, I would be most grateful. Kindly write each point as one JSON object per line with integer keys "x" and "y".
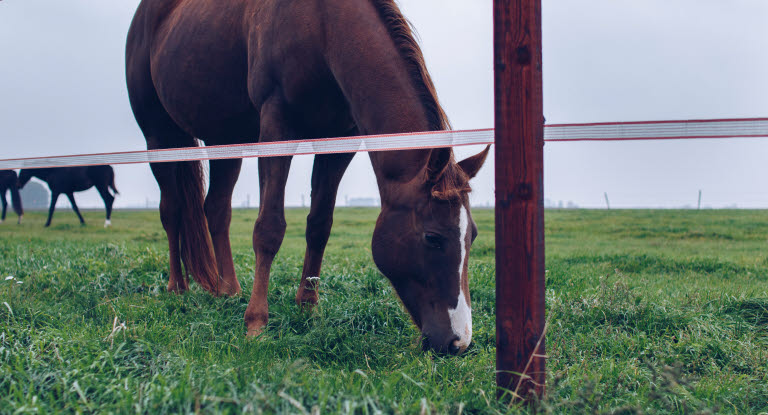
{"x": 434, "y": 240}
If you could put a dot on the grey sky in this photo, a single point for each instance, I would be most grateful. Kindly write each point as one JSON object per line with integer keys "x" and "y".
{"x": 62, "y": 91}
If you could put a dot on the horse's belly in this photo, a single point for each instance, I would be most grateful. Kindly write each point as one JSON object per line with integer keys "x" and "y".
{"x": 81, "y": 187}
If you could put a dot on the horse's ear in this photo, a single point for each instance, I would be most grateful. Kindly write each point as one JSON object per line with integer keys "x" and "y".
{"x": 438, "y": 161}
{"x": 472, "y": 165}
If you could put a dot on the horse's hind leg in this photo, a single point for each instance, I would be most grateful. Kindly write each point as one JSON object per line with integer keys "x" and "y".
{"x": 170, "y": 216}
{"x": 108, "y": 201}
{"x": 181, "y": 201}
{"x": 218, "y": 211}
{"x": 71, "y": 198}
{"x": 171, "y": 203}
{"x": 327, "y": 172}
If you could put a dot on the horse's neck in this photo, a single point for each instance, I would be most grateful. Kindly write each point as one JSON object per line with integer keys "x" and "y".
{"x": 400, "y": 176}
{"x": 379, "y": 87}
{"x": 399, "y": 165}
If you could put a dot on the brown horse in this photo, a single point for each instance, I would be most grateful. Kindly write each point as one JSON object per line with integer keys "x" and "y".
{"x": 8, "y": 181}
{"x": 68, "y": 180}
{"x": 268, "y": 70}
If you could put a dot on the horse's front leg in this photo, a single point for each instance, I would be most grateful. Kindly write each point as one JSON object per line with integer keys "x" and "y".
{"x": 54, "y": 198}
{"x": 327, "y": 172}
{"x": 268, "y": 233}
{"x": 269, "y": 230}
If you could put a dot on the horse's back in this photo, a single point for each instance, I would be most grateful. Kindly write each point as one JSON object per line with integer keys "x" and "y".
{"x": 210, "y": 66}
{"x": 99, "y": 174}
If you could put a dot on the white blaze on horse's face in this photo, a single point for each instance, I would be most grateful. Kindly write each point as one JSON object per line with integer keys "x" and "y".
{"x": 461, "y": 316}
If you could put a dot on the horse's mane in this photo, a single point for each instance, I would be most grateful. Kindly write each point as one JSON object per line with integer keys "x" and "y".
{"x": 453, "y": 182}
{"x": 402, "y": 33}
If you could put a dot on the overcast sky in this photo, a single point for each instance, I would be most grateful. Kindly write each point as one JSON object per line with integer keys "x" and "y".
{"x": 62, "y": 91}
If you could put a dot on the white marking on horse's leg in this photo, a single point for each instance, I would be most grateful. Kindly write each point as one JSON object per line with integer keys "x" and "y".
{"x": 461, "y": 316}
{"x": 107, "y": 223}
{"x": 19, "y": 221}
{"x": 311, "y": 283}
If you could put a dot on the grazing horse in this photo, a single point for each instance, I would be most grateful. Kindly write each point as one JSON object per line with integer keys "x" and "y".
{"x": 68, "y": 180}
{"x": 266, "y": 70}
{"x": 8, "y": 181}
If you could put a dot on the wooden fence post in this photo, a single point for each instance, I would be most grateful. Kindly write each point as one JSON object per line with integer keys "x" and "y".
{"x": 519, "y": 153}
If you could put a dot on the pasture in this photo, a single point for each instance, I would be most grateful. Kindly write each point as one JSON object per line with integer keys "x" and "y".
{"x": 649, "y": 311}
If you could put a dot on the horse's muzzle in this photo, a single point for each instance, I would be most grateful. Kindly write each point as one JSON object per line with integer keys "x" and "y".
{"x": 450, "y": 346}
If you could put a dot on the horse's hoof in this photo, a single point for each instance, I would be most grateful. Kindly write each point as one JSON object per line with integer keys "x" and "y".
{"x": 229, "y": 293}
{"x": 308, "y": 301}
{"x": 254, "y": 334}
{"x": 229, "y": 290}
{"x": 255, "y": 323}
{"x": 307, "y": 296}
{"x": 176, "y": 289}
{"x": 107, "y": 223}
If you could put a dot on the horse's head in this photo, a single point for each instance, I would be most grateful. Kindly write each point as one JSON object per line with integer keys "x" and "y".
{"x": 24, "y": 176}
{"x": 421, "y": 243}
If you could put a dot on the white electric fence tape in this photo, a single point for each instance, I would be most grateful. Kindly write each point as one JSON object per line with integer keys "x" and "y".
{"x": 408, "y": 141}
{"x": 646, "y": 130}
{"x": 658, "y": 130}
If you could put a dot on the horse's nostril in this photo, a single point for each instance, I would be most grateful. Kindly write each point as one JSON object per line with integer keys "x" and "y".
{"x": 454, "y": 348}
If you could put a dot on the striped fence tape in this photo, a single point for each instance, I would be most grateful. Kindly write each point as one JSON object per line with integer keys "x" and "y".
{"x": 614, "y": 131}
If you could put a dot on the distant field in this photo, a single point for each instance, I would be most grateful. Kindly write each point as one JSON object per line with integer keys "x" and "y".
{"x": 650, "y": 311}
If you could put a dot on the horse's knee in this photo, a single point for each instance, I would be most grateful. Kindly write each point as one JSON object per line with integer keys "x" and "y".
{"x": 318, "y": 229}
{"x": 268, "y": 234}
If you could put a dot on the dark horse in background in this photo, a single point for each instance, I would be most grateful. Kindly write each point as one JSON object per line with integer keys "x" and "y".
{"x": 267, "y": 70}
{"x": 8, "y": 181}
{"x": 68, "y": 180}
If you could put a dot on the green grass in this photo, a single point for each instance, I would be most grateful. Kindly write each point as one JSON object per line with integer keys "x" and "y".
{"x": 649, "y": 312}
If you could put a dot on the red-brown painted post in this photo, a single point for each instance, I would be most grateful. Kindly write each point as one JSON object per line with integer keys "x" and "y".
{"x": 519, "y": 198}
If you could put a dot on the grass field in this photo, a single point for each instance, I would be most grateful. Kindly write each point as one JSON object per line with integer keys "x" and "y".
{"x": 649, "y": 312}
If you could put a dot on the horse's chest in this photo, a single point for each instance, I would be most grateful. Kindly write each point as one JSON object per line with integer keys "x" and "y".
{"x": 316, "y": 102}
